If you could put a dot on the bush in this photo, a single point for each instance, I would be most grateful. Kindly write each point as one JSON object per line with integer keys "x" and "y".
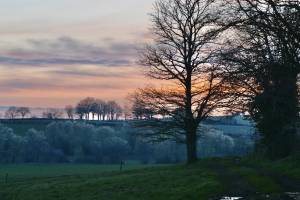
{"x": 10, "y": 145}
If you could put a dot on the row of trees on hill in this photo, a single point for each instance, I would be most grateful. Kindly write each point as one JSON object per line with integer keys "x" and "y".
{"x": 90, "y": 108}
{"x": 14, "y": 112}
{"x": 93, "y": 108}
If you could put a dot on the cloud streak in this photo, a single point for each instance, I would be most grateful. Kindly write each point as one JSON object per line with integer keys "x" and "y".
{"x": 69, "y": 51}
{"x": 54, "y": 53}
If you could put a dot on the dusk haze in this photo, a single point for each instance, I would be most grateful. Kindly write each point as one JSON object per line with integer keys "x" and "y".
{"x": 150, "y": 100}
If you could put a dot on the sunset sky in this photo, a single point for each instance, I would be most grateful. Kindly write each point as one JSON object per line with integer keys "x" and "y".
{"x": 53, "y": 53}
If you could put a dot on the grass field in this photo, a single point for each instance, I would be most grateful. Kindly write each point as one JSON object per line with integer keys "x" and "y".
{"x": 208, "y": 179}
{"x": 23, "y": 172}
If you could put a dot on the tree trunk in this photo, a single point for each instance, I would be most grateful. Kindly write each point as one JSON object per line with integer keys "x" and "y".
{"x": 190, "y": 124}
{"x": 191, "y": 145}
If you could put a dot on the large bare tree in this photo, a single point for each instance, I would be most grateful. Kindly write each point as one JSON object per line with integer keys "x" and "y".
{"x": 185, "y": 34}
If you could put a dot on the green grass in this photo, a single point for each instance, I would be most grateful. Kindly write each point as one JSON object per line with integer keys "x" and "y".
{"x": 207, "y": 179}
{"x": 261, "y": 183}
{"x": 169, "y": 182}
{"x": 33, "y": 171}
{"x": 289, "y": 167}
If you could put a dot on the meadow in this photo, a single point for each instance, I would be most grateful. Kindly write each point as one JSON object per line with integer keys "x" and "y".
{"x": 11, "y": 173}
{"x": 207, "y": 179}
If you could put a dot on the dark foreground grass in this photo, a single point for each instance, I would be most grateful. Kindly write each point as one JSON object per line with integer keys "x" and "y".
{"x": 208, "y": 179}
{"x": 26, "y": 172}
{"x": 172, "y": 182}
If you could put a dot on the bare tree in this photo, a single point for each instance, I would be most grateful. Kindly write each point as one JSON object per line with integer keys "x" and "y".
{"x": 52, "y": 113}
{"x": 85, "y": 107}
{"x": 70, "y": 111}
{"x": 80, "y": 110}
{"x": 12, "y": 112}
{"x": 119, "y": 111}
{"x": 100, "y": 109}
{"x": 94, "y": 108}
{"x": 23, "y": 111}
{"x": 106, "y": 111}
{"x": 185, "y": 31}
{"x": 139, "y": 108}
{"x": 114, "y": 110}
{"x": 127, "y": 111}
{"x": 89, "y": 102}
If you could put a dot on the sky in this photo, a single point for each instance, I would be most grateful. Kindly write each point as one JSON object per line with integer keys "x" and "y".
{"x": 54, "y": 53}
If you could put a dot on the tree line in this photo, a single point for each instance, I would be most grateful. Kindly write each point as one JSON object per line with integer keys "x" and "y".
{"x": 98, "y": 108}
{"x": 88, "y": 109}
{"x": 14, "y": 112}
{"x": 79, "y": 142}
{"x": 91, "y": 109}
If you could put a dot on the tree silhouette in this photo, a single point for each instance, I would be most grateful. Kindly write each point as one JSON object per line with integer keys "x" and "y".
{"x": 262, "y": 61}
{"x": 52, "y": 113}
{"x": 23, "y": 111}
{"x": 182, "y": 55}
{"x": 12, "y": 112}
{"x": 70, "y": 111}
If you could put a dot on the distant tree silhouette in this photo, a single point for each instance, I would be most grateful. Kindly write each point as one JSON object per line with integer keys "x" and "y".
{"x": 23, "y": 111}
{"x": 85, "y": 107}
{"x": 80, "y": 110}
{"x": 93, "y": 108}
{"x": 100, "y": 109}
{"x": 12, "y": 112}
{"x": 70, "y": 111}
{"x": 52, "y": 113}
{"x": 127, "y": 111}
{"x": 97, "y": 107}
{"x": 119, "y": 111}
{"x": 139, "y": 108}
{"x": 114, "y": 110}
